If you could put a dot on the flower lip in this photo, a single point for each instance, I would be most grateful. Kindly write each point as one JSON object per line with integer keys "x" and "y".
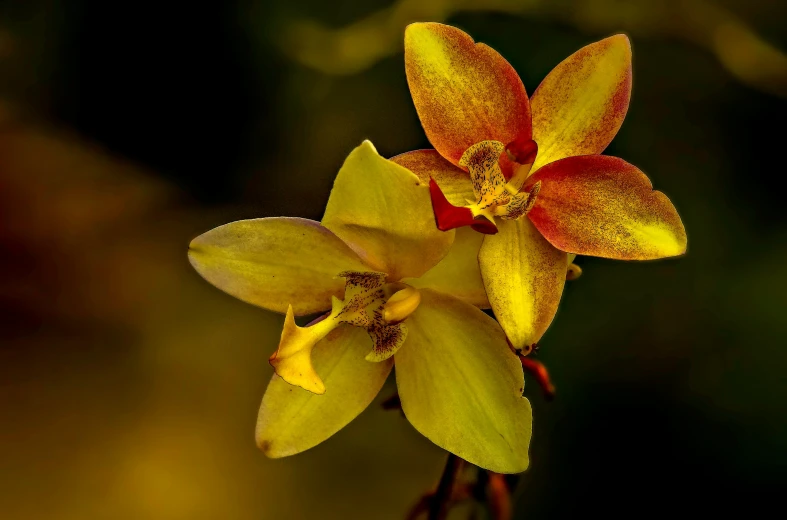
{"x": 370, "y": 302}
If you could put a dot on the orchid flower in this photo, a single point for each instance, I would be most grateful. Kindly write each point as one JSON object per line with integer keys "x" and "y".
{"x": 394, "y": 291}
{"x": 527, "y": 172}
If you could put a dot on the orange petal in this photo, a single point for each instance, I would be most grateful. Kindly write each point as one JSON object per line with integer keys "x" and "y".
{"x": 603, "y": 206}
{"x": 464, "y": 92}
{"x": 454, "y": 182}
{"x": 580, "y": 105}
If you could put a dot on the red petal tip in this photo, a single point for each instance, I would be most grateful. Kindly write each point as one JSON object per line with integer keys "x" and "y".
{"x": 447, "y": 216}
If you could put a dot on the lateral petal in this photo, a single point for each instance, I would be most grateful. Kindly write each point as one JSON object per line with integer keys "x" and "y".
{"x": 292, "y": 420}
{"x": 461, "y": 386}
{"x": 598, "y": 205}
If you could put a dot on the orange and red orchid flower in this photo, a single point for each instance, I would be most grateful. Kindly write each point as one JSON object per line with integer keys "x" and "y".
{"x": 527, "y": 172}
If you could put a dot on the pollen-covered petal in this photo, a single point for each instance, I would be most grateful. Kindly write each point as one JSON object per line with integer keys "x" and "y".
{"x": 454, "y": 182}
{"x": 598, "y": 205}
{"x": 461, "y": 386}
{"x": 458, "y": 273}
{"x": 463, "y": 92}
{"x": 275, "y": 262}
{"x": 524, "y": 277}
{"x": 384, "y": 212}
{"x": 292, "y": 420}
{"x": 580, "y": 105}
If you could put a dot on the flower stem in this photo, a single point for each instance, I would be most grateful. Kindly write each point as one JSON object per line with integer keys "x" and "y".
{"x": 438, "y": 505}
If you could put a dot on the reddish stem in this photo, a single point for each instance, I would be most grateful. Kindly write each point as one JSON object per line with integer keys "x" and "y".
{"x": 540, "y": 373}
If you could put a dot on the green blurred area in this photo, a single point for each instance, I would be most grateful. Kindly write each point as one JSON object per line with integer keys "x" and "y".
{"x": 129, "y": 387}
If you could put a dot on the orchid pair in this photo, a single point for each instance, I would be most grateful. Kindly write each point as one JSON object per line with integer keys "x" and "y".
{"x": 411, "y": 249}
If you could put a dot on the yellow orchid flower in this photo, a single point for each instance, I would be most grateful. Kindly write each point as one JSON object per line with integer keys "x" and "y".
{"x": 527, "y": 172}
{"x": 399, "y": 292}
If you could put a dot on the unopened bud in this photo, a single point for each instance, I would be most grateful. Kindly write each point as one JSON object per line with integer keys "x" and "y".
{"x": 573, "y": 272}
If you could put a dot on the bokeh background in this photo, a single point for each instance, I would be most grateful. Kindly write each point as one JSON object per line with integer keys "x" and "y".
{"x": 129, "y": 387}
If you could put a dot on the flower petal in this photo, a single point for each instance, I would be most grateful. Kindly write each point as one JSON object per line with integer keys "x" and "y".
{"x": 450, "y": 188}
{"x": 524, "y": 277}
{"x": 270, "y": 262}
{"x": 454, "y": 182}
{"x": 448, "y": 217}
{"x": 461, "y": 386}
{"x": 385, "y": 214}
{"x": 458, "y": 273}
{"x": 580, "y": 105}
{"x": 292, "y": 359}
{"x": 292, "y": 420}
{"x": 603, "y": 206}
{"x": 463, "y": 92}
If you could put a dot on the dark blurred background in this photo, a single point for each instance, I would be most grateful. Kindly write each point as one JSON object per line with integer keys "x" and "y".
{"x": 129, "y": 387}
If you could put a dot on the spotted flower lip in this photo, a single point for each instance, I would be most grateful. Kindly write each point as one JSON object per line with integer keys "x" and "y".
{"x": 531, "y": 168}
{"x": 394, "y": 290}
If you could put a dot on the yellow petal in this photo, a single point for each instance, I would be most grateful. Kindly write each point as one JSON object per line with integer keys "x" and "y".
{"x": 384, "y": 213}
{"x": 580, "y": 105}
{"x": 275, "y": 262}
{"x": 458, "y": 273}
{"x": 464, "y": 92}
{"x": 292, "y": 360}
{"x": 524, "y": 277}
{"x": 599, "y": 205}
{"x": 461, "y": 386}
{"x": 454, "y": 182}
{"x": 292, "y": 420}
